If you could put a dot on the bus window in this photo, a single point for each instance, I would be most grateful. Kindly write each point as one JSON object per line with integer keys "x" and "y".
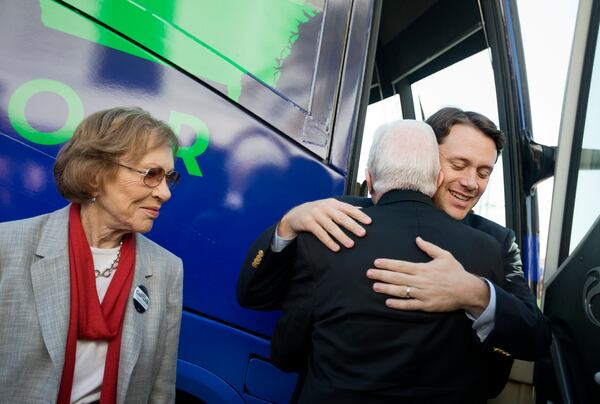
{"x": 264, "y": 56}
{"x": 469, "y": 85}
{"x": 451, "y": 67}
{"x": 379, "y": 113}
{"x": 586, "y": 208}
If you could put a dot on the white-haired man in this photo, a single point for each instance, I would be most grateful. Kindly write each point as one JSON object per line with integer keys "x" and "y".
{"x": 354, "y": 348}
{"x": 505, "y": 316}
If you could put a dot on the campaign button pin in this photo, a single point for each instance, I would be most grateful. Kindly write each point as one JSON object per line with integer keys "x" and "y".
{"x": 141, "y": 301}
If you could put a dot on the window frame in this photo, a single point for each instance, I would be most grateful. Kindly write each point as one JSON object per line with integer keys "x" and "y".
{"x": 312, "y": 128}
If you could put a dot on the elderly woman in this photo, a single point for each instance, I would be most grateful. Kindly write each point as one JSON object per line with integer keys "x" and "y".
{"x": 89, "y": 308}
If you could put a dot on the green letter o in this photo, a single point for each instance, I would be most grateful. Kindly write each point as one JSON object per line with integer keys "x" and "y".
{"x": 18, "y": 102}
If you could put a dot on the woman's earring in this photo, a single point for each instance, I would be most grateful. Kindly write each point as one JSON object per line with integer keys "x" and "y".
{"x": 93, "y": 200}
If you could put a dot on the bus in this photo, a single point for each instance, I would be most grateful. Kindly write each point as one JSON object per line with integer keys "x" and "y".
{"x": 270, "y": 100}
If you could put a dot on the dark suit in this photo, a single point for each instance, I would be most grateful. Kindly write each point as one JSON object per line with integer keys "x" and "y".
{"x": 357, "y": 348}
{"x": 520, "y": 328}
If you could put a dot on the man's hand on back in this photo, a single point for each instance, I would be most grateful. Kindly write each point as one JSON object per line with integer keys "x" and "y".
{"x": 440, "y": 285}
{"x": 323, "y": 218}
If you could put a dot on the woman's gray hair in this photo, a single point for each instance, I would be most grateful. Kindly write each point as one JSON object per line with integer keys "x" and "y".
{"x": 404, "y": 155}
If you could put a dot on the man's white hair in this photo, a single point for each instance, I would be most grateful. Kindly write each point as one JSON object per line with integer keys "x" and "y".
{"x": 404, "y": 155}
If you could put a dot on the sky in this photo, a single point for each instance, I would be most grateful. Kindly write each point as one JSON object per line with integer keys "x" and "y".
{"x": 547, "y": 33}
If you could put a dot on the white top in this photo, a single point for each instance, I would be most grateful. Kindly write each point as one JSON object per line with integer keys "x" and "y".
{"x": 91, "y": 355}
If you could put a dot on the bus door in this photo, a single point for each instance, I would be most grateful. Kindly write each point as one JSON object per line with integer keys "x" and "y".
{"x": 466, "y": 54}
{"x": 571, "y": 288}
{"x": 423, "y": 63}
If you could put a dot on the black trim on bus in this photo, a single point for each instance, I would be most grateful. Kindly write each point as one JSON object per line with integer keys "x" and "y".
{"x": 507, "y": 116}
{"x": 560, "y": 371}
{"x": 351, "y": 187}
{"x": 513, "y": 113}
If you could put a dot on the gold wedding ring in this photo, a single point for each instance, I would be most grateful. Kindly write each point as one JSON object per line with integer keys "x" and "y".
{"x": 407, "y": 296}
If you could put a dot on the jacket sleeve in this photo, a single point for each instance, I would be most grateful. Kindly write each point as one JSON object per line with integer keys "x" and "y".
{"x": 265, "y": 275}
{"x": 163, "y": 390}
{"x": 291, "y": 341}
{"x": 520, "y": 330}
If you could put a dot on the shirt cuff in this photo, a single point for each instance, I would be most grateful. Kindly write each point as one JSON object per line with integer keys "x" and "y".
{"x": 279, "y": 243}
{"x": 484, "y": 324}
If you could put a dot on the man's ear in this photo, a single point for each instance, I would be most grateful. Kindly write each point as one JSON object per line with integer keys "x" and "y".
{"x": 369, "y": 178}
{"x": 440, "y": 179}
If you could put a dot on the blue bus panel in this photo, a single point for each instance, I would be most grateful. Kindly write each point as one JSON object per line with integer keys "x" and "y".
{"x": 240, "y": 173}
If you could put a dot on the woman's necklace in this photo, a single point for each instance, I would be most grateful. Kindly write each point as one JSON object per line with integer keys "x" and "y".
{"x": 108, "y": 271}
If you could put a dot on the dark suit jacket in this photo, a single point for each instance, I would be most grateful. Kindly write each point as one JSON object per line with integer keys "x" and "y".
{"x": 520, "y": 331}
{"x": 357, "y": 348}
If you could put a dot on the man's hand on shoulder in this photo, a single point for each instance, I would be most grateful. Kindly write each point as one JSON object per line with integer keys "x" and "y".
{"x": 440, "y": 285}
{"x": 323, "y": 218}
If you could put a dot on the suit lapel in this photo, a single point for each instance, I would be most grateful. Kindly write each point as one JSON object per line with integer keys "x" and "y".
{"x": 133, "y": 323}
{"x": 51, "y": 289}
{"x": 50, "y": 281}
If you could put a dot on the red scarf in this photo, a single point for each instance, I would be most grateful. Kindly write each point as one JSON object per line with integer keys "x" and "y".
{"x": 88, "y": 319}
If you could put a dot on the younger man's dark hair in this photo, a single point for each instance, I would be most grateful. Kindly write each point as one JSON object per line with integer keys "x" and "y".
{"x": 445, "y": 118}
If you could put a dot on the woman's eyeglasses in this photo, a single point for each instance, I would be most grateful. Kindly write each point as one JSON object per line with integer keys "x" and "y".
{"x": 154, "y": 176}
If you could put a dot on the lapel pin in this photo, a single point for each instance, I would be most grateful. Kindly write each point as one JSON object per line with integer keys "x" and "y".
{"x": 141, "y": 300}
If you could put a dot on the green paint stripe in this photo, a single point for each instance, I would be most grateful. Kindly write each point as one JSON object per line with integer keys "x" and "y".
{"x": 219, "y": 41}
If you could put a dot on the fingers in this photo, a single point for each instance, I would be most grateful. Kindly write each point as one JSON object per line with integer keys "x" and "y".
{"x": 323, "y": 223}
{"x": 348, "y": 223}
{"x": 333, "y": 231}
{"x": 431, "y": 249}
{"x": 354, "y": 212}
{"x": 345, "y": 215}
{"x": 402, "y": 292}
{"x": 406, "y": 304}
{"x": 324, "y": 237}
{"x": 410, "y": 268}
{"x": 325, "y": 219}
{"x": 394, "y": 278}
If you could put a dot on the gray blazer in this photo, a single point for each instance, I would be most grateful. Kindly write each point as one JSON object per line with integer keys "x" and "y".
{"x": 34, "y": 315}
